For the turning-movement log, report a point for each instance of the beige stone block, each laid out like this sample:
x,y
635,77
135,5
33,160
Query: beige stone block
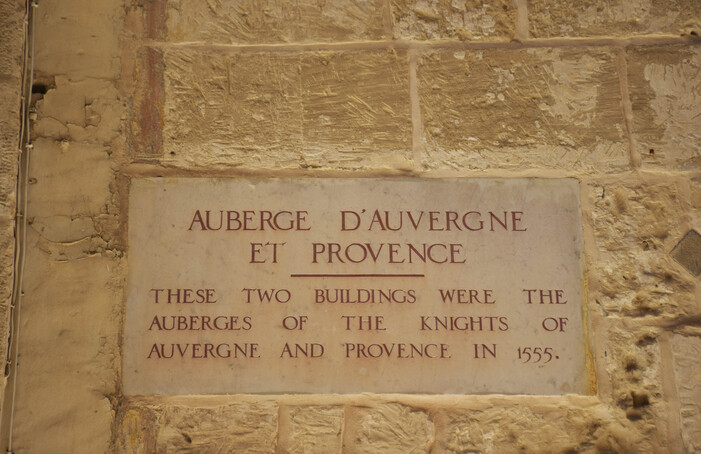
x,y
553,18
232,109
238,427
547,108
665,92
69,354
79,38
310,429
498,425
493,20
687,370
72,179
286,110
387,428
268,21
635,226
355,107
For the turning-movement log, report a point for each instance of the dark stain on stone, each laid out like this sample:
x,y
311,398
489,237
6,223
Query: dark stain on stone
x,y
688,252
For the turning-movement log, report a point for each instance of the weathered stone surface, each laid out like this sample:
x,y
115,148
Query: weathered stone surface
x,y
88,169
197,425
635,226
242,427
344,109
687,370
355,107
549,108
62,403
85,111
79,38
11,44
232,109
552,18
469,20
387,428
666,98
310,429
498,425
274,21
634,370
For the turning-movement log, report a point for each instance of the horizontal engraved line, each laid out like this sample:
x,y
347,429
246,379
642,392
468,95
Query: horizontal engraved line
x,y
355,275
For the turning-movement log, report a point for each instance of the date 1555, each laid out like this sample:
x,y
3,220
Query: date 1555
x,y
536,354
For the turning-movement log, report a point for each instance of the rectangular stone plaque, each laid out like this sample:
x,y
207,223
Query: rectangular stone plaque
x,y
355,285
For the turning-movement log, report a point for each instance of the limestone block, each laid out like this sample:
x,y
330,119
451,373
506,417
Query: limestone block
x,y
69,353
548,108
687,370
285,110
355,108
232,109
275,21
635,226
239,427
507,425
553,18
310,429
493,20
665,91
387,428
72,179
79,38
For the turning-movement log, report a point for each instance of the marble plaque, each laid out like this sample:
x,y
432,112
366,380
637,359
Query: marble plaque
x,y
451,286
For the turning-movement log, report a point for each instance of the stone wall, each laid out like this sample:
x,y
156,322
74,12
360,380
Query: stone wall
x,y
12,32
604,91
